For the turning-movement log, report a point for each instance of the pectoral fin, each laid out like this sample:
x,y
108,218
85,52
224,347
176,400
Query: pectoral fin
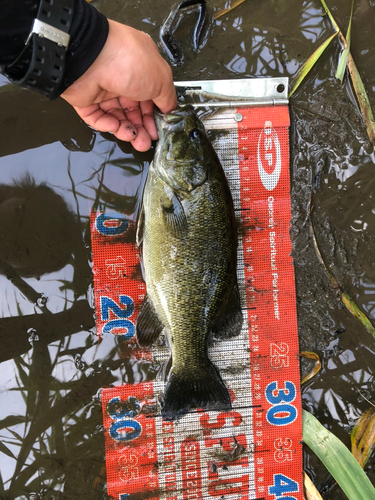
x,y
229,322
149,326
174,213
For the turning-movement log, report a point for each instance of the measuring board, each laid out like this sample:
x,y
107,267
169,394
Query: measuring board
x,y
253,451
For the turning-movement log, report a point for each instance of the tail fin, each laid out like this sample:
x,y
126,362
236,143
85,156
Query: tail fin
x,y
187,390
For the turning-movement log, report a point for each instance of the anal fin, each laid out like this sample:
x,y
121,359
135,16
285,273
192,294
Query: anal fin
x,y
149,326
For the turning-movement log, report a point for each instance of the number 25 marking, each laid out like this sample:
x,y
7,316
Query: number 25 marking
x,y
279,356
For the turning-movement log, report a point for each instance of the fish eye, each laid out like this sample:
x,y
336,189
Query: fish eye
x,y
195,134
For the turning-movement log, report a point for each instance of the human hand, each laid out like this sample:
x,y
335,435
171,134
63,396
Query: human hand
x,y
118,92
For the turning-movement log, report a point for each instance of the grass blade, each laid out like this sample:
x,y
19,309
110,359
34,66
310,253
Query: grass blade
x,y
349,304
357,313
363,437
309,64
362,98
359,88
345,53
315,369
337,459
328,12
225,11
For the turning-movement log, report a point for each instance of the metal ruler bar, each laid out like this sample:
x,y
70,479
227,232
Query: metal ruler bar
x,y
238,104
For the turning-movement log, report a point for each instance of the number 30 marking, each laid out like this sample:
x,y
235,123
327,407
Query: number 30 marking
x,y
281,413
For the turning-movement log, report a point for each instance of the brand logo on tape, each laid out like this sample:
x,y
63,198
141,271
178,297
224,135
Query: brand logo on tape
x,y
269,152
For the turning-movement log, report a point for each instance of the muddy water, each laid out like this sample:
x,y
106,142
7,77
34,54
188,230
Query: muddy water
x,y
54,170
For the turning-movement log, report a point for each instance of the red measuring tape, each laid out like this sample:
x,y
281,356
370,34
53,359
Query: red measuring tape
x,y
253,451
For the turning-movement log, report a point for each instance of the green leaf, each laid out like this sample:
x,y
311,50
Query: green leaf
x,y
357,313
345,53
358,86
362,98
342,64
337,459
310,63
328,12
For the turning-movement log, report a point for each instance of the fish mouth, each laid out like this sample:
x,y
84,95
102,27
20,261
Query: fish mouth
x,y
173,119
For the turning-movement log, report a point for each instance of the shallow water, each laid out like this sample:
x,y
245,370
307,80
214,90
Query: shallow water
x,y
54,360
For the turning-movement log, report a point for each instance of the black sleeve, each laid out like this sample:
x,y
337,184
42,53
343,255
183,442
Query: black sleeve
x,y
88,34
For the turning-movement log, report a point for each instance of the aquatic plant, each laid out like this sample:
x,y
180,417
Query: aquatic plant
x,y
346,60
337,459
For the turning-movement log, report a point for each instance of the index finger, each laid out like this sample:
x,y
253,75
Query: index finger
x,y
167,99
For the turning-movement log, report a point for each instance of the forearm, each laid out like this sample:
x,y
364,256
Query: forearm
x,y
113,75
88,34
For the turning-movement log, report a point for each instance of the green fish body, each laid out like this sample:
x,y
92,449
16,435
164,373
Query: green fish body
x,y
188,238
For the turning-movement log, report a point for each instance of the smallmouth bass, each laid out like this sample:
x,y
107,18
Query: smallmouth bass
x,y
188,239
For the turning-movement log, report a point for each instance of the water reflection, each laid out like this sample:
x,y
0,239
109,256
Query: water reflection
x,y
24,112
311,21
347,374
38,232
269,50
367,294
52,365
237,65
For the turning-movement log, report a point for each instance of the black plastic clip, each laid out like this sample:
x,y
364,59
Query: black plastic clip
x,y
167,40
